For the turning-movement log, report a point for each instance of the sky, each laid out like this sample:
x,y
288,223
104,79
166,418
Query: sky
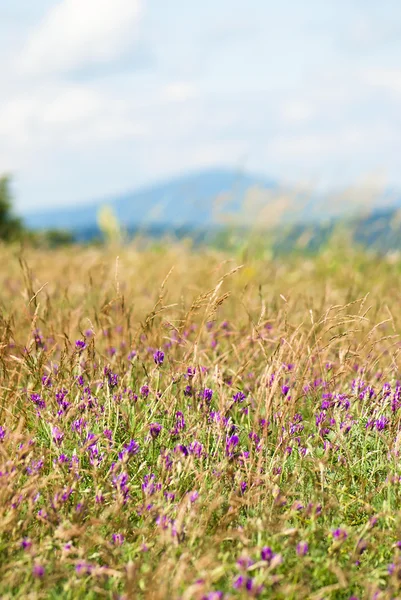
x,y
98,97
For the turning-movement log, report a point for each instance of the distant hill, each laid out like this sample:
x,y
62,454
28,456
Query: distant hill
x,y
193,201
199,203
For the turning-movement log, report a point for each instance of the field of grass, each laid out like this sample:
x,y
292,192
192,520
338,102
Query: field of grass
x,y
189,424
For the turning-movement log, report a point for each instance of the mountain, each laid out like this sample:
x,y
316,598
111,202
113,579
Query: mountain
x,y
197,200
199,203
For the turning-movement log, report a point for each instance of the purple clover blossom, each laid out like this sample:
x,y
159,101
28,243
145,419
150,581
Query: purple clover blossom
x,y
155,429
144,391
188,390
231,443
339,534
158,357
243,486
285,389
2,433
57,436
108,434
267,553
38,571
117,539
80,345
129,449
244,562
37,400
302,548
83,568
60,399
239,397
193,496
190,372
247,583
208,394
46,381
26,543
179,423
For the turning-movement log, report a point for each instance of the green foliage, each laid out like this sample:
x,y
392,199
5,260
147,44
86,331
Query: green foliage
x,y
11,227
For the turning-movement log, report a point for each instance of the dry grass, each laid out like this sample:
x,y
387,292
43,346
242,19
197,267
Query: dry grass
x,y
247,458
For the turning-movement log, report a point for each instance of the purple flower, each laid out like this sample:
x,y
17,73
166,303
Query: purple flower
x,y
158,357
129,449
83,568
248,584
155,429
194,496
266,553
2,433
117,539
302,548
339,534
26,543
231,443
179,423
57,435
144,391
46,381
80,345
37,400
239,397
207,394
38,571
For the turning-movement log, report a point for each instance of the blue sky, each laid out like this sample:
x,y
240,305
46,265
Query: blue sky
x,y
103,96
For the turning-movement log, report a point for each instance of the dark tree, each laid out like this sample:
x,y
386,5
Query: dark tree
x,y
11,227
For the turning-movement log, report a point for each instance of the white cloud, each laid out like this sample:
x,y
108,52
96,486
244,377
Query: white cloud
x,y
80,33
179,91
295,111
384,78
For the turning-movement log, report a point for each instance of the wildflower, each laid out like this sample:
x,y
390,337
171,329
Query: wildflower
x,y
83,568
37,400
46,381
179,423
302,548
248,584
155,429
207,394
231,443
129,449
117,539
26,543
266,553
239,397
194,496
57,436
144,391
38,571
80,345
158,357
339,534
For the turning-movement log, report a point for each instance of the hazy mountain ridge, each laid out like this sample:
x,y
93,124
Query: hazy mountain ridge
x,y
202,202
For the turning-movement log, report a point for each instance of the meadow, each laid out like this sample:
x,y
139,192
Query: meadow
x,y
187,423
